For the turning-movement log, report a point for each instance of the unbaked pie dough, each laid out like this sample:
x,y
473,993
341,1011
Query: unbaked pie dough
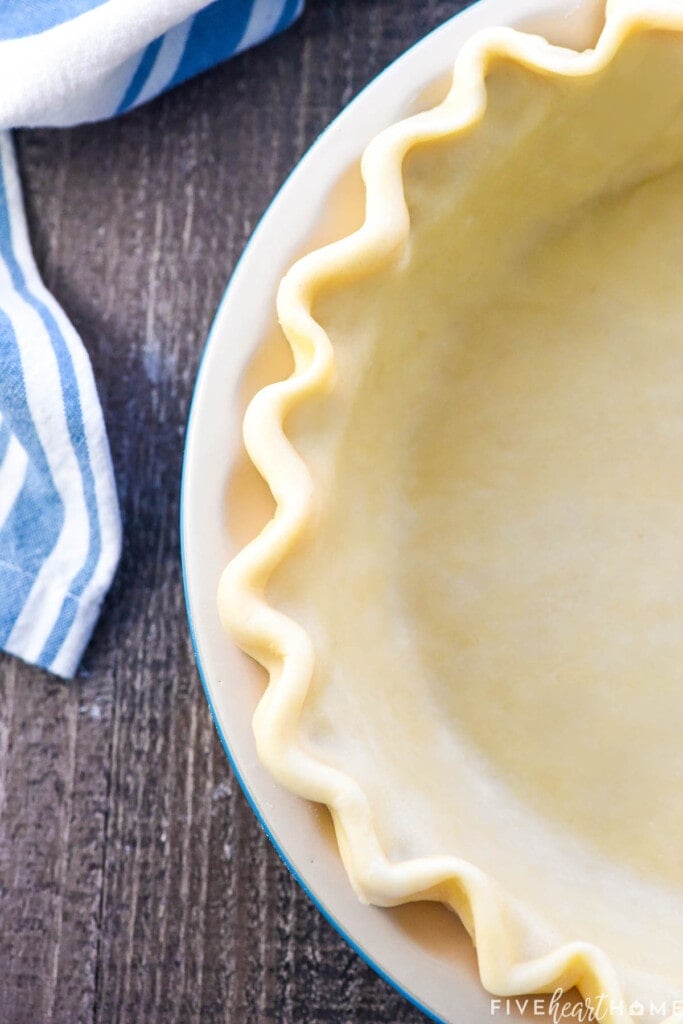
x,y
470,601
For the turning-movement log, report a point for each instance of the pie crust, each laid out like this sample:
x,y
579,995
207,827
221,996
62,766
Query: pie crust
x,y
470,598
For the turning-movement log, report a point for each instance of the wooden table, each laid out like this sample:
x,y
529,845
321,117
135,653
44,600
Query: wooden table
x,y
135,883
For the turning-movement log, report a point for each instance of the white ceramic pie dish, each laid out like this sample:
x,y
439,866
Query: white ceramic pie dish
x,y
441,980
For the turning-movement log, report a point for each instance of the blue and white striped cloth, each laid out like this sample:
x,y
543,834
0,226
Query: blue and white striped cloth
x,y
63,62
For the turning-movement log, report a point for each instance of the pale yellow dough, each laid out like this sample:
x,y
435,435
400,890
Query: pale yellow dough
x,y
491,575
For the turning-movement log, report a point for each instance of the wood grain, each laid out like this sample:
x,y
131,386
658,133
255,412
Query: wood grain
x,y
135,883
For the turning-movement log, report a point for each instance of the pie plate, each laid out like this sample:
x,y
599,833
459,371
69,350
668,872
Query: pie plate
x,y
468,600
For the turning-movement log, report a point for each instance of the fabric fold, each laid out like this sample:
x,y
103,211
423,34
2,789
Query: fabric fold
x,y
60,535
62,63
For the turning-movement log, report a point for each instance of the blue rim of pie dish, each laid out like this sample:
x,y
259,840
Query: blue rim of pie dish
x,y
210,342
339,928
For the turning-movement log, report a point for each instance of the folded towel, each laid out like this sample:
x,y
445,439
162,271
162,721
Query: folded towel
x,y
63,62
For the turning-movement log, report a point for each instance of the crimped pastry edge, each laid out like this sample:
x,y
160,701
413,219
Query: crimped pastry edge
x,y
280,644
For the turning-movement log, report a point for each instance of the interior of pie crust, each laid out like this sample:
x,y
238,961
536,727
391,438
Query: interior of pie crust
x,y
491,573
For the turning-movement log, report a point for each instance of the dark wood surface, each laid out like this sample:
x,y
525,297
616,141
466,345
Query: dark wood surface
x,y
135,884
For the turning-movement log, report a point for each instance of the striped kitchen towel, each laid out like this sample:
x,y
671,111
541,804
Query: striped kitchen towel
x,y
63,62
